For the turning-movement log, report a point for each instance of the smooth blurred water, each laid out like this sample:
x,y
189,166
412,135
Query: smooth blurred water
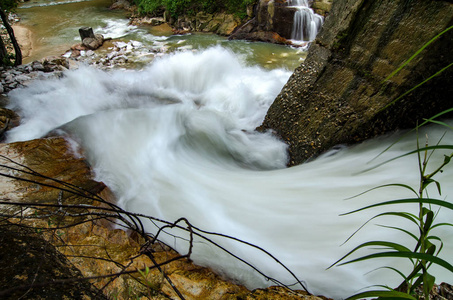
x,y
306,23
177,139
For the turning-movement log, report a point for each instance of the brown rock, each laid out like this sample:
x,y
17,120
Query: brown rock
x,y
8,119
51,161
31,268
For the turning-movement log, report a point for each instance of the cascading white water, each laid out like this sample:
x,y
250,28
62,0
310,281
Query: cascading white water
x,y
307,23
177,140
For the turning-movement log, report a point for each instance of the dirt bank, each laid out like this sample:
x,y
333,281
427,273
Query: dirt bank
x,y
24,37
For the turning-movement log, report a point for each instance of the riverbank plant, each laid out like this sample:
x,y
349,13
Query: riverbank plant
x,y
192,7
427,244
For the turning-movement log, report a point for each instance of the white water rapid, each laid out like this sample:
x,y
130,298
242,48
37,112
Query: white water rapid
x,y
307,23
177,140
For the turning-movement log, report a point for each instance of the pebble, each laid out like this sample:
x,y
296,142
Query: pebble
x,y
120,54
15,77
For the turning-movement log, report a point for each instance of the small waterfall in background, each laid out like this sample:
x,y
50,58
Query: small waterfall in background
x,y
306,22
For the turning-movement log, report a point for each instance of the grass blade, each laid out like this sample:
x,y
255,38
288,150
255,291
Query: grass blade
x,y
382,294
405,201
396,246
417,53
410,255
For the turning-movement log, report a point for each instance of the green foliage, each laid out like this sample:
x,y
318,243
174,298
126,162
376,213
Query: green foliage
x,y
149,6
191,7
8,5
8,60
428,246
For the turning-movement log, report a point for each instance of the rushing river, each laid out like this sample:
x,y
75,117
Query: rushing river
x,y
176,139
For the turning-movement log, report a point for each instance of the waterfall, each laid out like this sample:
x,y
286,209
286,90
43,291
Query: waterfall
x,y
306,23
177,140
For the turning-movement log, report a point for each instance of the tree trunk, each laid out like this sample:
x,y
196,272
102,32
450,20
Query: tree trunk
x,y
3,52
18,52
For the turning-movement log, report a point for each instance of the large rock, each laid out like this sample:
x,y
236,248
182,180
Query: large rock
x,y
338,95
272,19
28,170
89,39
31,268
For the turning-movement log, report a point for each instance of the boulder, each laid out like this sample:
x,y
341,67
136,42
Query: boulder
x,y
89,39
272,19
339,95
52,161
31,268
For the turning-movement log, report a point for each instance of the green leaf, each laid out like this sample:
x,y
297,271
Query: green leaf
x,y
417,86
429,219
406,201
382,294
396,271
426,183
386,185
447,158
417,53
411,255
437,147
430,120
428,283
433,237
438,187
441,224
402,230
439,123
397,247
405,215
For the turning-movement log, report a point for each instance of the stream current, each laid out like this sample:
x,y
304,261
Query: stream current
x,y
176,139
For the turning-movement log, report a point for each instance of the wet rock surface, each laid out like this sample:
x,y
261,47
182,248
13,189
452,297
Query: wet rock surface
x,y
338,95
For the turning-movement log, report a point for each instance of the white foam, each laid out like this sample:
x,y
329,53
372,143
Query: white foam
x,y
176,140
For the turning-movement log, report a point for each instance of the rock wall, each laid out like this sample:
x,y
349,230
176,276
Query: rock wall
x,y
338,95
219,23
273,22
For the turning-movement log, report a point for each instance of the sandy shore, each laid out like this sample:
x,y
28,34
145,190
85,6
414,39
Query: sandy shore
x,y
24,37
